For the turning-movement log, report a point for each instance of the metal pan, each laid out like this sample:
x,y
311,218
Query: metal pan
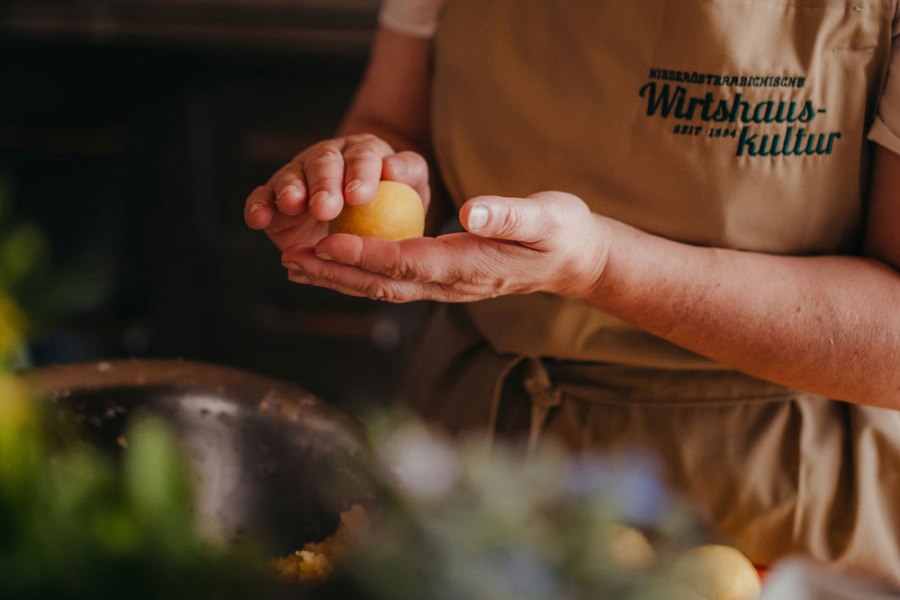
x,y
272,463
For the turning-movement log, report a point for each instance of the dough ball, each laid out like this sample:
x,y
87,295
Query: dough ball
x,y
395,213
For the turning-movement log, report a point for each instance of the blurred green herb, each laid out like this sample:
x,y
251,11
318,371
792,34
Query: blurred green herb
x,y
468,521
21,247
44,289
73,522
76,524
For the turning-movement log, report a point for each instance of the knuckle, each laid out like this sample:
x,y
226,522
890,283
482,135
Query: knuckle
x,y
551,221
454,278
501,286
358,154
510,221
329,143
417,168
380,290
260,195
323,274
313,150
416,162
368,142
361,138
288,178
403,269
324,157
277,175
458,274
475,279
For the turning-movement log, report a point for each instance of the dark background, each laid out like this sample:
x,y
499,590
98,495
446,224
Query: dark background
x,y
131,132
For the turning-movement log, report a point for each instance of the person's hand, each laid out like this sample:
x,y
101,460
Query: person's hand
x,y
294,207
547,242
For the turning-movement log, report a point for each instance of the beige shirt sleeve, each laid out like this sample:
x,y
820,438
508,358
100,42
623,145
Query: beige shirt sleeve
x,y
417,18
886,129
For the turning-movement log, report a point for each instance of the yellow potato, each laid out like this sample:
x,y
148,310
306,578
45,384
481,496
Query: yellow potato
x,y
396,213
718,572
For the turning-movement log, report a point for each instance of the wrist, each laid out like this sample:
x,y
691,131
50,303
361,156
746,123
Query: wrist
x,y
592,259
397,139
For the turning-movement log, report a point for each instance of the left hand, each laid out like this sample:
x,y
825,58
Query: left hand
x,y
547,242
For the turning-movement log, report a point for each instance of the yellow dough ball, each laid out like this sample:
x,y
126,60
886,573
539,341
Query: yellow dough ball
x,y
718,572
395,213
630,549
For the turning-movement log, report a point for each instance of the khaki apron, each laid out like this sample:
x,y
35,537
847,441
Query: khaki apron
x,y
773,471
729,123
732,123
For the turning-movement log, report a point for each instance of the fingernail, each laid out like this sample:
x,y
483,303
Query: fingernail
x,y
324,256
255,207
291,266
320,197
298,278
353,185
478,217
287,190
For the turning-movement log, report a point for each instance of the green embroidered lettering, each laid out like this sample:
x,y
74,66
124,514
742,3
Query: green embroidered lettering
x,y
808,113
739,105
799,143
781,117
763,112
811,144
692,108
722,112
664,101
747,142
786,145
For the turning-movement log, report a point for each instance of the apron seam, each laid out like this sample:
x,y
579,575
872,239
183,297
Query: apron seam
x,y
650,401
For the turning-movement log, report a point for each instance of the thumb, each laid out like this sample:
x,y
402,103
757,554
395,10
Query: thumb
x,y
531,221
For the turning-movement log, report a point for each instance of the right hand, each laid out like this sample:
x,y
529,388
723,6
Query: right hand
x,y
294,207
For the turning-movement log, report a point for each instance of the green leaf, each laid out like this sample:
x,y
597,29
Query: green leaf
x,y
157,479
21,250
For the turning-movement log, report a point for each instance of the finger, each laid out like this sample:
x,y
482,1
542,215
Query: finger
x,y
304,266
396,292
290,191
292,254
323,170
363,159
410,168
259,209
531,221
304,279
367,286
422,260
307,267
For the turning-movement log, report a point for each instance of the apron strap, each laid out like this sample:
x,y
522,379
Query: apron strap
x,y
544,397
497,397
541,393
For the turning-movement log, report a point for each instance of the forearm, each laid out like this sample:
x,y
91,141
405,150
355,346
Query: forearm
x,y
393,99
829,324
